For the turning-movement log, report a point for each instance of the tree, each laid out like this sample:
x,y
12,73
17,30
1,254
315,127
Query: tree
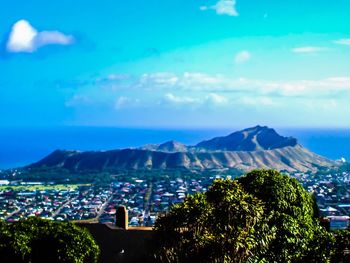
x,y
225,224
39,240
293,212
341,244
263,216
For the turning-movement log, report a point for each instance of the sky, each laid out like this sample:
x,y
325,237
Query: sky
x,y
175,63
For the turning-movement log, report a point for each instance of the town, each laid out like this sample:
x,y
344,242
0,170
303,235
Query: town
x,y
146,199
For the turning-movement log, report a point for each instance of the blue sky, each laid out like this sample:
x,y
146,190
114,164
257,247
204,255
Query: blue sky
x,y
175,63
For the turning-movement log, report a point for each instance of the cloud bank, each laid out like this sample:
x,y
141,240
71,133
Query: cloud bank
x,y
344,41
25,38
201,82
195,90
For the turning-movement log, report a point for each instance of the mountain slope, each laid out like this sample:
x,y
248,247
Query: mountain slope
x,y
253,148
170,146
251,139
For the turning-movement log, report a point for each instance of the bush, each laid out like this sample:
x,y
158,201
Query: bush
x,y
39,240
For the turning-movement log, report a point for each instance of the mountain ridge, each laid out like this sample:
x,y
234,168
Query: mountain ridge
x,y
250,139
253,148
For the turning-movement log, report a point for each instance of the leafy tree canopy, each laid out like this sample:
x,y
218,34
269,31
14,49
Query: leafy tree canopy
x,y
262,217
220,225
293,212
38,240
342,246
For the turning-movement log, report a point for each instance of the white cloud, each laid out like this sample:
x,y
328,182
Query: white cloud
x,y
25,38
123,102
21,37
309,49
199,100
78,100
344,41
111,77
160,78
201,82
223,7
217,99
330,87
194,90
242,57
171,98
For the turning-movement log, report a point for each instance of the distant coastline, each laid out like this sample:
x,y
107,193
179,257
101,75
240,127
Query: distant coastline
x,y
21,146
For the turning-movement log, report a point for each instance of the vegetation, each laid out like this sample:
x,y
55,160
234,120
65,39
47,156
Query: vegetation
x,y
63,176
220,224
37,240
293,213
261,217
342,244
58,187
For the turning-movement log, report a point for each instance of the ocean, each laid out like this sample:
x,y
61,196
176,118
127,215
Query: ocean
x,y
22,146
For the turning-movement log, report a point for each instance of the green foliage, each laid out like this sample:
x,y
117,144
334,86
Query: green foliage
x,y
262,217
293,212
218,226
63,176
341,244
37,240
279,192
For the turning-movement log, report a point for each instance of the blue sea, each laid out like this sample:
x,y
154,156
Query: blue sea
x,y
22,146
